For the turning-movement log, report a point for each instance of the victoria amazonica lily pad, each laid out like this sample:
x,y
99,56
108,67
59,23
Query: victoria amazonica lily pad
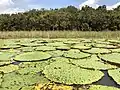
x,y
93,62
115,74
100,87
113,58
11,46
63,48
31,67
65,73
27,49
97,51
76,55
56,53
6,56
45,48
31,44
13,79
106,46
32,56
8,68
81,47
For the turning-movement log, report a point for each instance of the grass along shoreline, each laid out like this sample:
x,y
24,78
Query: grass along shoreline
x,y
59,34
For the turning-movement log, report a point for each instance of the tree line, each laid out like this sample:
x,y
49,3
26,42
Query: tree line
x,y
69,18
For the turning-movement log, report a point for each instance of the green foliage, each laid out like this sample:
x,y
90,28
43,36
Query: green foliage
x,y
6,56
100,87
115,74
69,18
8,68
65,73
97,51
75,55
31,67
13,79
80,47
45,48
93,63
113,58
32,56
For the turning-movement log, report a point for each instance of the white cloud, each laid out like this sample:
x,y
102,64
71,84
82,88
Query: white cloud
x,y
93,3
14,6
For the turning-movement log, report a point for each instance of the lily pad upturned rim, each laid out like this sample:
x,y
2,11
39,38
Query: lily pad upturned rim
x,y
106,57
27,56
65,73
93,63
115,74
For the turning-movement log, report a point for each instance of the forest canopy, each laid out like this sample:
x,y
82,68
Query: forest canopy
x,y
68,18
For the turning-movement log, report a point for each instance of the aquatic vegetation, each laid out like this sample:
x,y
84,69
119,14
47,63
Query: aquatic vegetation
x,y
76,55
100,87
65,73
32,56
115,74
93,62
113,58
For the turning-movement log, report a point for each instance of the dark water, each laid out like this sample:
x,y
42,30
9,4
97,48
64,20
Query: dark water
x,y
16,63
107,81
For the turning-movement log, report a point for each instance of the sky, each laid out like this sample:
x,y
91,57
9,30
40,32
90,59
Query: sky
x,y
14,6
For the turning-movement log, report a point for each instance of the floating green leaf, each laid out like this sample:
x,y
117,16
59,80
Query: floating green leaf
x,y
63,72
27,88
75,55
100,87
113,58
13,79
45,48
32,56
63,48
8,68
115,74
93,63
6,56
27,49
80,47
97,51
31,67
56,53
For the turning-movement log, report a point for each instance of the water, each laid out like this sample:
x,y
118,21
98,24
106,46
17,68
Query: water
x,y
107,81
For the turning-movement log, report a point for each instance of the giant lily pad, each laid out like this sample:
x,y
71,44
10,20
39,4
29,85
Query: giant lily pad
x,y
31,44
8,68
113,58
13,79
45,48
55,44
63,48
27,49
63,72
93,63
32,56
81,47
11,46
56,53
6,56
115,74
97,50
100,87
106,46
75,55
31,67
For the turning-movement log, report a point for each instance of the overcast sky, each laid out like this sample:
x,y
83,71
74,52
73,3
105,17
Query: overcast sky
x,y
12,6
